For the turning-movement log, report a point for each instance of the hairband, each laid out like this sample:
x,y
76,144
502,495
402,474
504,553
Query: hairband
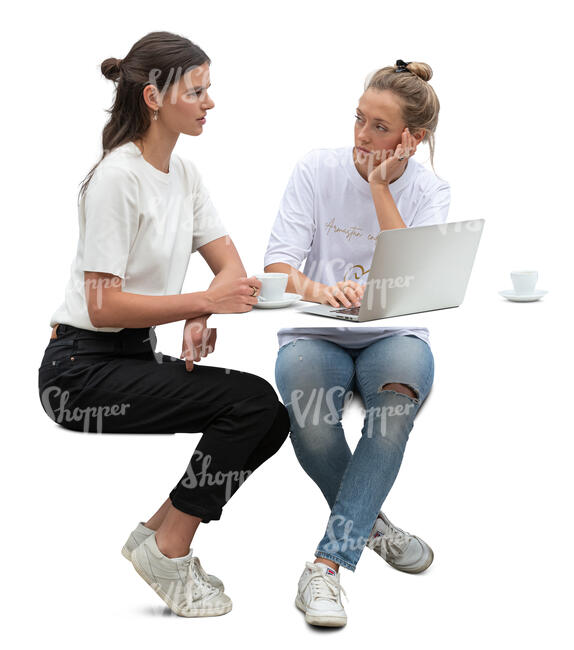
x,y
402,66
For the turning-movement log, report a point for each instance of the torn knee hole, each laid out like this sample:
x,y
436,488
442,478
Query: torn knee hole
x,y
400,388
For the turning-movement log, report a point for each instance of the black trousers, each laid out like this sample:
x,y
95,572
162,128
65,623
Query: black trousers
x,y
115,382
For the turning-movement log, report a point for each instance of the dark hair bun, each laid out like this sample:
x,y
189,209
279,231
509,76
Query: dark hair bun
x,y
111,68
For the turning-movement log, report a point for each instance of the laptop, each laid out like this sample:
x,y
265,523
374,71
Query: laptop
x,y
414,270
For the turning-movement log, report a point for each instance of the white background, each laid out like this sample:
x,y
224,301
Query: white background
x,y
485,475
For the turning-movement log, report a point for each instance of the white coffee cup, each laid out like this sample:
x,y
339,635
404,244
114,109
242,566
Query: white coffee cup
x,y
272,285
524,281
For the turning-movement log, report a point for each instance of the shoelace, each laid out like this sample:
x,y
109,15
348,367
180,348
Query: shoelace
x,y
391,546
200,570
323,586
195,579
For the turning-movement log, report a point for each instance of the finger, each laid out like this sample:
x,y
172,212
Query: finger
x,y
358,289
249,290
190,355
410,143
253,281
339,295
352,295
405,143
188,365
205,349
331,300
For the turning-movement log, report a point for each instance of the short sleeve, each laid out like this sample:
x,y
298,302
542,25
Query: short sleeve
x,y
433,208
294,227
111,220
207,225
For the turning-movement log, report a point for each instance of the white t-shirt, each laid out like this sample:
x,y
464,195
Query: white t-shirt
x,y
140,224
327,218
348,337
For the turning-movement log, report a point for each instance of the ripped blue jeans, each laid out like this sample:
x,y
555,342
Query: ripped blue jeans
x,y
316,378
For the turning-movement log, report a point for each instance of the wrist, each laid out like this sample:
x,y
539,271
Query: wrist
x,y
201,318
204,305
379,185
316,291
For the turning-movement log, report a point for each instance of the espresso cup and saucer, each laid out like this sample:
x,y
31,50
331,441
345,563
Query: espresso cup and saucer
x,y
524,283
272,294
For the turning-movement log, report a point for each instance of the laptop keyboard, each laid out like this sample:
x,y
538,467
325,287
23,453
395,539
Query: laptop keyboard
x,y
351,311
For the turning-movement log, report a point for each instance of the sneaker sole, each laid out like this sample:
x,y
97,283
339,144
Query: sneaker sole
x,y
219,611
323,621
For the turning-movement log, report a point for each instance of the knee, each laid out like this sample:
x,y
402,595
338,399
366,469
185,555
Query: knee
x,y
317,440
260,389
390,417
282,421
279,428
400,388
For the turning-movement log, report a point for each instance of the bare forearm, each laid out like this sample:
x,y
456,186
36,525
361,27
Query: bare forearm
x,y
228,273
298,282
387,213
124,309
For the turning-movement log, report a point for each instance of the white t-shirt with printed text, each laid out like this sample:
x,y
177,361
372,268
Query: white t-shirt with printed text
x,y
328,221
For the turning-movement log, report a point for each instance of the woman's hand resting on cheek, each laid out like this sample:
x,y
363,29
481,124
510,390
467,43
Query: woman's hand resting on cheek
x,y
395,161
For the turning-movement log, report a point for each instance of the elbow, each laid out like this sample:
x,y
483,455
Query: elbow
x,y
97,318
275,267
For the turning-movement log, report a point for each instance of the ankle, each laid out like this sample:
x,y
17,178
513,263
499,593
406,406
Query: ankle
x,y
171,548
329,563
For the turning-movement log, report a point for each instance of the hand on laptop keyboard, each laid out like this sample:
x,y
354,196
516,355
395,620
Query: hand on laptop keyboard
x,y
345,294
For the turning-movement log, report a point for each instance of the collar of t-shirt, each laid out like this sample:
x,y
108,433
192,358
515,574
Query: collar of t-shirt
x,y
154,172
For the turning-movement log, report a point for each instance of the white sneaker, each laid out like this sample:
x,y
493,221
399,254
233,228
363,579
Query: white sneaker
x,y
141,532
178,582
400,549
319,596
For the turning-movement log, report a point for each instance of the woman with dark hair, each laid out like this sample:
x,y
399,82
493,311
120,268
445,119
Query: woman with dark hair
x,y
335,204
142,211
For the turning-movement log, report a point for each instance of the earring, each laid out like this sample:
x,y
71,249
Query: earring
x,y
155,114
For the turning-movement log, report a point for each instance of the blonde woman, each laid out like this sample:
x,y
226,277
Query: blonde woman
x,y
334,206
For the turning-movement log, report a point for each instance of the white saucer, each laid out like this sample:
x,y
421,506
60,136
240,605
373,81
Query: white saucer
x,y
288,299
510,294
